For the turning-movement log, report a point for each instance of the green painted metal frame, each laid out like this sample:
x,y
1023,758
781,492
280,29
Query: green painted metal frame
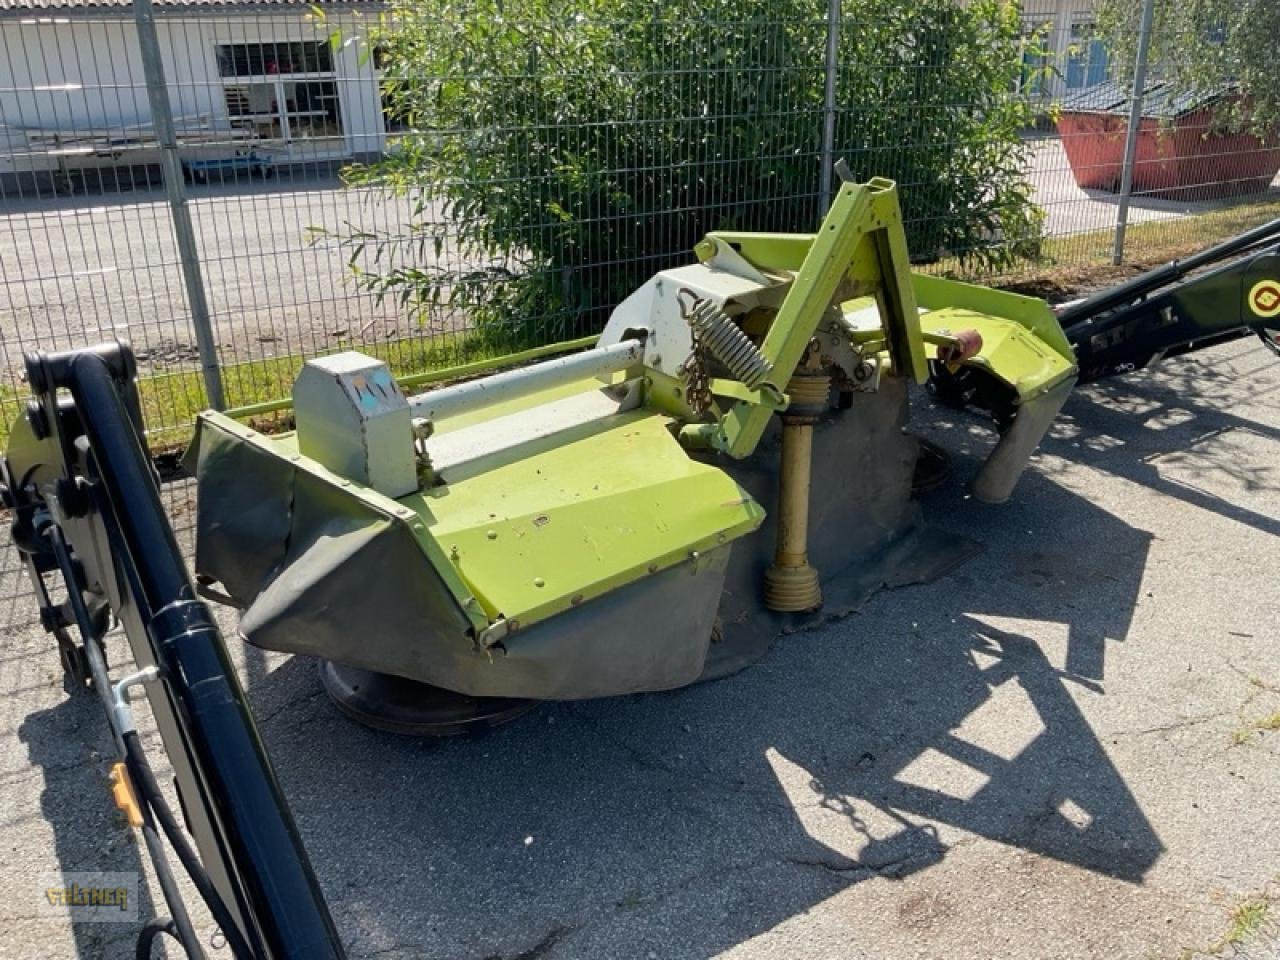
x,y
859,250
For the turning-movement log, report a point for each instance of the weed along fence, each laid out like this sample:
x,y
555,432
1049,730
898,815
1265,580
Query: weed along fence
x,y
235,187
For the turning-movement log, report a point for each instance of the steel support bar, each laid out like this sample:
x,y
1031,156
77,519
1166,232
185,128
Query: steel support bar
x,y
433,376
1149,283
489,391
829,102
835,261
1131,135
180,213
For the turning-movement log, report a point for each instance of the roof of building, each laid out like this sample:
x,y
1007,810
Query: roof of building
x,y
1161,101
46,8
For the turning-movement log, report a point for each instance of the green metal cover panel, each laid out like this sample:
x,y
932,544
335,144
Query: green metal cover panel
x,y
934,293
609,502
565,519
1010,351
1022,343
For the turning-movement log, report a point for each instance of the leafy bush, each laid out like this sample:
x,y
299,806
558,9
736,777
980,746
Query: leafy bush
x,y
1199,46
562,151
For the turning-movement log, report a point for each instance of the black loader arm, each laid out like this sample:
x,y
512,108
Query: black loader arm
x,y
1167,311
86,507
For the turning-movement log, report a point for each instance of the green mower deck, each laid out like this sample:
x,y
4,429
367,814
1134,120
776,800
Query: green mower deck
x,y
592,525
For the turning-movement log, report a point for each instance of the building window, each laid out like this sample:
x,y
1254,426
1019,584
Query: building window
x,y
270,59
1088,61
1036,58
394,120
284,93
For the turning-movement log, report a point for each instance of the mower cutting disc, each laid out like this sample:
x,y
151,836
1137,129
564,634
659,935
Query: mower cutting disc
x,y
397,705
933,468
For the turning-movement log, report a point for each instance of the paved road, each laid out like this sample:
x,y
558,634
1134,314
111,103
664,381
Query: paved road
x,y
1034,757
74,269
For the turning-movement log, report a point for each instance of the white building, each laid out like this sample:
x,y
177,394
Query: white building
x,y
263,80
266,80
1078,60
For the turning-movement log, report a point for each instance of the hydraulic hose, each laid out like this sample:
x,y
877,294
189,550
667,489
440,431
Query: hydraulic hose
x,y
235,792
152,929
145,782
154,807
267,893
179,925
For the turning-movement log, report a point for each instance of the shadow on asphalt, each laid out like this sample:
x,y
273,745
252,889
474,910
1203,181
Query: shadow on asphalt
x,y
669,816
597,810
1186,409
75,801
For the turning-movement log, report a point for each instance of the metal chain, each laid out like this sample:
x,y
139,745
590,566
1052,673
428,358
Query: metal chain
x,y
698,382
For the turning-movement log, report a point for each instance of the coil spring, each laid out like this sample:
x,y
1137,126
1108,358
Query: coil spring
x,y
725,341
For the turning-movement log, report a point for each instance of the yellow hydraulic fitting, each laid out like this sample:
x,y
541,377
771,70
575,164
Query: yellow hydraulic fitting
x,y
122,793
791,584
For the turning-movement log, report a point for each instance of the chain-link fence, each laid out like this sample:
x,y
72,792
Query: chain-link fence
x,y
436,186
1197,168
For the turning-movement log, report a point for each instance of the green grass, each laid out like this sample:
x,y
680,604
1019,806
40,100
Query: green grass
x,y
1156,239
1079,260
1251,728
1248,918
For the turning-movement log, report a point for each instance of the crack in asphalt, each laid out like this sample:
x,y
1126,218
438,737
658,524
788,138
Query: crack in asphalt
x,y
856,870
1179,724
544,946
699,777
408,949
297,701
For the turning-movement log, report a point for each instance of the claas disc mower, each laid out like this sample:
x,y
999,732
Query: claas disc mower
x,y
729,456
727,461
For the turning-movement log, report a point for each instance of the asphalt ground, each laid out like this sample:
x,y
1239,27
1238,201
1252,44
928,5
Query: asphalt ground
x,y
1059,750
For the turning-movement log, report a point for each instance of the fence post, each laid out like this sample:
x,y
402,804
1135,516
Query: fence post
x,y
180,213
829,102
1131,135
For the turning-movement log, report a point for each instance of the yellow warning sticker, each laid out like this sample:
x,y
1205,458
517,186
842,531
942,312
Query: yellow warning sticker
x,y
1264,298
